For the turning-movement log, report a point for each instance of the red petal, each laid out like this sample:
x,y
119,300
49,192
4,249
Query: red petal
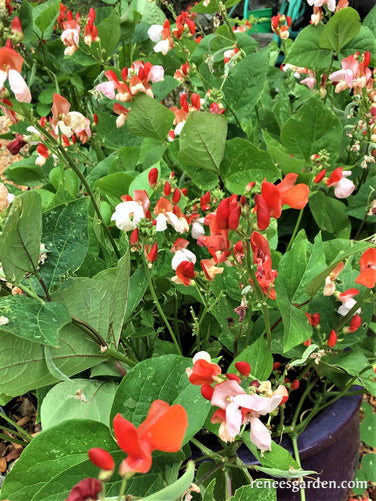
x,y
165,426
367,278
296,197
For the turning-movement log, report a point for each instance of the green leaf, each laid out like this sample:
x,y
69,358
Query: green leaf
x,y
291,270
306,51
62,452
202,142
149,118
359,203
138,284
368,430
277,457
78,399
32,320
177,489
312,129
259,358
353,362
369,467
116,184
329,213
100,301
111,136
276,472
45,16
245,83
20,242
162,88
160,378
281,157
65,235
315,284
243,162
23,366
340,29
250,492
363,41
25,172
26,14
109,33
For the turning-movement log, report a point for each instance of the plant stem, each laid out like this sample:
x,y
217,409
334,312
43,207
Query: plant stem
x,y
297,224
122,488
21,430
98,339
14,440
301,402
294,440
159,308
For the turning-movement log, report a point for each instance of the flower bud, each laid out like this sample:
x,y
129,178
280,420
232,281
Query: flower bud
x,y
101,458
153,177
244,368
332,340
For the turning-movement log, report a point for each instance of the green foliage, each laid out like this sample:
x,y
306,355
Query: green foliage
x,y
340,29
21,238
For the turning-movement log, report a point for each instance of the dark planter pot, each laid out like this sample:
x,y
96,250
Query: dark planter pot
x,y
329,445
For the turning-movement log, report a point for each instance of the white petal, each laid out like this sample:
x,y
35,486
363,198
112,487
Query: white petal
x,y
3,77
155,32
233,419
260,435
19,87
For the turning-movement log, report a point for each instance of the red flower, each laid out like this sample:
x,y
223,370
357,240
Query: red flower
x,y
261,257
367,263
273,197
162,430
87,489
184,273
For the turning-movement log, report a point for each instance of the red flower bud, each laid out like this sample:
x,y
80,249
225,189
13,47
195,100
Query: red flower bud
x,y
233,377
101,458
153,177
320,176
295,384
244,368
167,189
355,323
184,191
134,237
207,391
276,366
151,255
95,118
176,196
332,340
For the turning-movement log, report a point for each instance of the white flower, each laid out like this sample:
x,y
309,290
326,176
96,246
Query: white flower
x,y
127,215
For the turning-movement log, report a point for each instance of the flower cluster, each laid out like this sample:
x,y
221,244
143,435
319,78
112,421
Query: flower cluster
x,y
240,399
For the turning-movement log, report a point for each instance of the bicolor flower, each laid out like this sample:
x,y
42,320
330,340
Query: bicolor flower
x,y
127,215
354,74
10,68
163,430
348,301
6,198
330,287
203,371
70,36
241,408
343,187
